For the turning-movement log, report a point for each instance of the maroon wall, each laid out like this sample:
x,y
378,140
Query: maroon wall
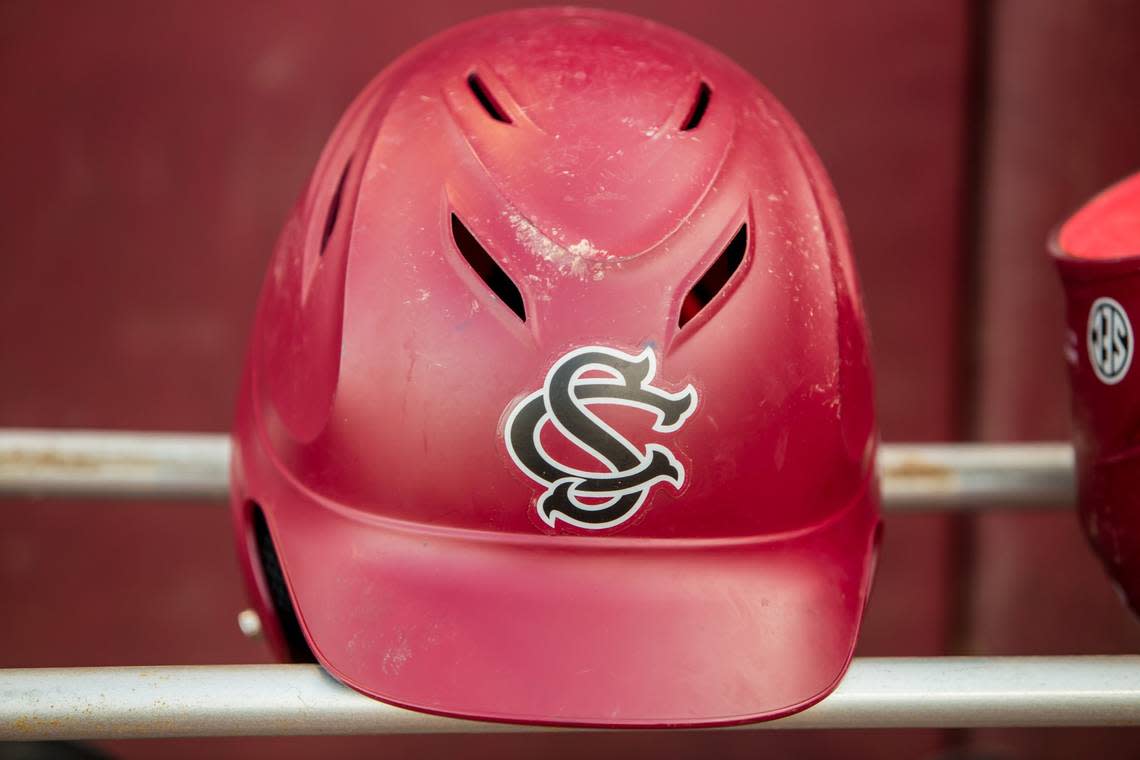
x,y
152,149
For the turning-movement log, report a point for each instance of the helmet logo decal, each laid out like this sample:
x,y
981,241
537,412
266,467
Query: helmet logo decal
x,y
1109,340
615,494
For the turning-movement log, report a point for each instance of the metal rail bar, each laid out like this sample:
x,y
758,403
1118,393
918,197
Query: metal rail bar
x,y
254,700
79,464
195,466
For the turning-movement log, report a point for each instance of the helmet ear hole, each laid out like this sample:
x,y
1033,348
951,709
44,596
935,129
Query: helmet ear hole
x,y
271,573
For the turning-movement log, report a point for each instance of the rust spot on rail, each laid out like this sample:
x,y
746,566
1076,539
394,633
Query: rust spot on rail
x,y
56,461
916,468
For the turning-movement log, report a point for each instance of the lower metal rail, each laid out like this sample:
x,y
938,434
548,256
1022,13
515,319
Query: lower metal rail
x,y
255,700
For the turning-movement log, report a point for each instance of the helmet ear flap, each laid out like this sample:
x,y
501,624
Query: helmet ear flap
x,y
295,646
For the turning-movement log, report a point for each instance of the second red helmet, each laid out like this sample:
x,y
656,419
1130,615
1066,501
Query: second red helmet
x,y
1097,252
558,406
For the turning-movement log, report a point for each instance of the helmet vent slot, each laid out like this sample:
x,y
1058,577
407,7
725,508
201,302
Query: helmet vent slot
x,y
334,208
715,277
487,268
486,99
700,105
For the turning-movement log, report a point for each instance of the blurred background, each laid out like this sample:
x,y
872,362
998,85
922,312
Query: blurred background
x,y
150,152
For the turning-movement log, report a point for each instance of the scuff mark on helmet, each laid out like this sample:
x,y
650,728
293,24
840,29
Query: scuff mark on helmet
x,y
579,259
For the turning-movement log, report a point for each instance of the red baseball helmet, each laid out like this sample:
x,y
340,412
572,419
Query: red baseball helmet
x,y
1098,254
558,406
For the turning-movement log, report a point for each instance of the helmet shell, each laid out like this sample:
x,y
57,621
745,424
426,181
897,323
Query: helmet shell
x,y
390,366
1097,252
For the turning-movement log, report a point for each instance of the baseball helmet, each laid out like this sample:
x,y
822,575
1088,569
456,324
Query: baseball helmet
x,y
1097,252
558,407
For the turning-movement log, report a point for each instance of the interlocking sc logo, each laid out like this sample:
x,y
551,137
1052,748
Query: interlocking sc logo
x,y
564,401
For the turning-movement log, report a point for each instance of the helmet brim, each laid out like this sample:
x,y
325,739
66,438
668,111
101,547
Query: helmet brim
x,y
579,631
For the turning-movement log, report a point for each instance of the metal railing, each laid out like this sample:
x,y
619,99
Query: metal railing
x,y
966,692
249,700
103,465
